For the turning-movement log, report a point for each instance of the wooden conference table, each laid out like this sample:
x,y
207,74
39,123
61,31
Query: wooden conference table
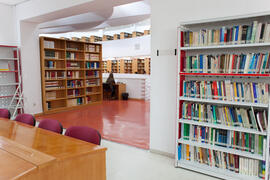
x,y
28,152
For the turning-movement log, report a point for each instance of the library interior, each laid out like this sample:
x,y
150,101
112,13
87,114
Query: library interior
x,y
134,89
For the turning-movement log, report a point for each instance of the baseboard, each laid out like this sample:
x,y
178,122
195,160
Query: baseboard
x,y
170,155
137,99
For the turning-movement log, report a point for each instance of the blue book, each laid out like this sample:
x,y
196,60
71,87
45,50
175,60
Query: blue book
x,y
251,64
201,63
236,32
242,67
221,35
203,134
179,151
237,92
255,92
240,118
231,115
256,62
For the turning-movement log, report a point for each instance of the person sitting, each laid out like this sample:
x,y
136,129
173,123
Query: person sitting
x,y
111,82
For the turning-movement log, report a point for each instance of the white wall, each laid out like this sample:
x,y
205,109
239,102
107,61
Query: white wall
x,y
8,34
139,46
137,85
165,18
31,67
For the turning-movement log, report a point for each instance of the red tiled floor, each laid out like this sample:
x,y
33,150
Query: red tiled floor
x,y
125,122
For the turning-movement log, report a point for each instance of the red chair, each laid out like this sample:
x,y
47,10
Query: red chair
x,y
26,118
51,125
4,113
84,133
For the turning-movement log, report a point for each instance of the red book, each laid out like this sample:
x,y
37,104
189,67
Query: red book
x,y
189,111
215,90
236,163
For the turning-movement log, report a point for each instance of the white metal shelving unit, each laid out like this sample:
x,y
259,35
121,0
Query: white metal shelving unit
x,y
224,48
11,95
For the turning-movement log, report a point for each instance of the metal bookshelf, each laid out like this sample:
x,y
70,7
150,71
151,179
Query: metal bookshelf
x,y
181,76
11,94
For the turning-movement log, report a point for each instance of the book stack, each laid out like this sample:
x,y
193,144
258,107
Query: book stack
x,y
227,90
48,44
242,141
250,63
74,83
70,55
53,85
223,160
90,48
73,74
51,54
256,32
55,75
226,115
91,82
73,65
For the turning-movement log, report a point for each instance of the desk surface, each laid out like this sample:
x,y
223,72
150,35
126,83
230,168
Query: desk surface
x,y
56,153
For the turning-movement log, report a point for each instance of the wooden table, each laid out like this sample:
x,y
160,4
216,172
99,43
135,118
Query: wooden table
x,y
28,152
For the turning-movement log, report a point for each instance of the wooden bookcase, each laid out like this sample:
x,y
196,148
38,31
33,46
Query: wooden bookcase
x,y
128,66
71,73
223,129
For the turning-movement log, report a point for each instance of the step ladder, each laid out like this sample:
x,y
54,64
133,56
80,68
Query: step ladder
x,y
16,103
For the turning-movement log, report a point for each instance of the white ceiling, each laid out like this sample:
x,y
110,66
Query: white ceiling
x,y
124,13
12,2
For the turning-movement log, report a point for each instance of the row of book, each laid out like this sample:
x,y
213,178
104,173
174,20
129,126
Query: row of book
x,y
73,74
74,83
91,57
257,32
227,90
242,141
250,63
73,92
73,65
48,44
71,55
92,74
91,82
91,48
222,160
51,55
229,116
75,101
92,65
50,64
6,66
53,85
55,74
51,95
